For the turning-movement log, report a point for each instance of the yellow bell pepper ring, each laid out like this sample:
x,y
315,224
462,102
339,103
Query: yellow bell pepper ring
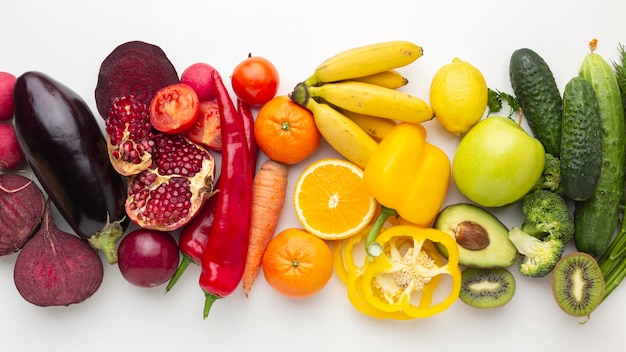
x,y
408,174
403,281
409,268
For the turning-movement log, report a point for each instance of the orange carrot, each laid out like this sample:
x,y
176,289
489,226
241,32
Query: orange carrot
x,y
269,189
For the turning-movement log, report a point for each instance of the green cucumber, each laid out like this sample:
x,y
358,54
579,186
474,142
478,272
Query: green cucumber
x,y
597,218
538,95
581,140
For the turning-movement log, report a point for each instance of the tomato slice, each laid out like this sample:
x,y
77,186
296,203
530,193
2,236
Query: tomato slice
x,y
174,108
207,129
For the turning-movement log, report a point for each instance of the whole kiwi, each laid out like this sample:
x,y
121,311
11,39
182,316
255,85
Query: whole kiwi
x,y
578,284
486,287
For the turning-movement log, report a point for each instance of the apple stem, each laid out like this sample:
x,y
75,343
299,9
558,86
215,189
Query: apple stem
x,y
519,120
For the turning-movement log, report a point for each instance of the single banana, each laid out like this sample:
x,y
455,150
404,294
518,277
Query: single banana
x,y
391,79
343,134
376,127
364,61
370,99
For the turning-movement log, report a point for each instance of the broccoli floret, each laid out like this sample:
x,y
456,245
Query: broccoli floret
x,y
538,256
546,214
551,176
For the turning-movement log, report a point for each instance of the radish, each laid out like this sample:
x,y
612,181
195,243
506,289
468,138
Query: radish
x,y
199,76
7,81
21,210
55,268
11,155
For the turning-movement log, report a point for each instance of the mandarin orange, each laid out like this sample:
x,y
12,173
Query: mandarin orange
x,y
297,264
285,131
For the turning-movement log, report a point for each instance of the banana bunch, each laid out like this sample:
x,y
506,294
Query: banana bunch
x,y
355,100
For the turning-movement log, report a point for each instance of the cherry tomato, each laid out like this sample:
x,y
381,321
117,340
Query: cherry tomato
x,y
255,80
147,258
174,108
207,129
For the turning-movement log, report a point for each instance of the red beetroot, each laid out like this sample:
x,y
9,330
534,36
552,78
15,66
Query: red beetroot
x,y
21,209
55,268
11,155
199,76
7,81
133,68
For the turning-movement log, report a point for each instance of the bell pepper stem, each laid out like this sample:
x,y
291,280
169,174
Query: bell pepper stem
x,y
373,248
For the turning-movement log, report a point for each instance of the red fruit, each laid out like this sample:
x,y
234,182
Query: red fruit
x,y
171,191
129,136
174,108
11,155
207,129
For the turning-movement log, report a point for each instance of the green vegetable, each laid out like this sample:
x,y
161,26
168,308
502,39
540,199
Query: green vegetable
x,y
546,229
597,218
538,96
494,102
546,215
538,256
620,73
581,140
550,179
613,262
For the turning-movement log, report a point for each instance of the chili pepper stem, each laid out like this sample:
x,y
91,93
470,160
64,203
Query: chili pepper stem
x,y
184,263
373,248
209,298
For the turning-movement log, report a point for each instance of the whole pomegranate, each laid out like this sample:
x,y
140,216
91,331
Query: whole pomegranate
x,y
169,193
129,136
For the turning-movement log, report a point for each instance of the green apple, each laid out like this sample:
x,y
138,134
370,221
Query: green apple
x,y
497,162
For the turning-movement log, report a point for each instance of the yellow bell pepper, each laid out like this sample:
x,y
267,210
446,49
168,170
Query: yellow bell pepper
x,y
408,174
410,266
409,178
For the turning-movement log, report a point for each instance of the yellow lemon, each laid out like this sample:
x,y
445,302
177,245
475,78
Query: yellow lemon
x,y
458,96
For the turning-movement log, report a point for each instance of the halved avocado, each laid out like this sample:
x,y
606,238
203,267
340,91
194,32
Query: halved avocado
x,y
482,239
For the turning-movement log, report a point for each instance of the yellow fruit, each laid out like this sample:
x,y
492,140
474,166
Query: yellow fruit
x,y
458,96
330,199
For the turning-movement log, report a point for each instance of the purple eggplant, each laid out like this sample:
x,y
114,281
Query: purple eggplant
x,y
66,149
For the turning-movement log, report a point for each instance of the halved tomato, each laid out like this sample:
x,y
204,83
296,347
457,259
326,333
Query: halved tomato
x,y
207,128
174,108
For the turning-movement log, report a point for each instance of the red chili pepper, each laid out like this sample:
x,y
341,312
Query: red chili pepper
x,y
248,123
194,235
224,256
193,238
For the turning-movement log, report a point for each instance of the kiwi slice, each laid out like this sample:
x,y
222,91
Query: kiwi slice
x,y
578,284
486,287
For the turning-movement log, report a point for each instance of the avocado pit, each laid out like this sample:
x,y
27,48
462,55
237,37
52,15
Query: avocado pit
x,y
471,235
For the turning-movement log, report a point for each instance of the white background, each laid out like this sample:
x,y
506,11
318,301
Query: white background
x,y
69,39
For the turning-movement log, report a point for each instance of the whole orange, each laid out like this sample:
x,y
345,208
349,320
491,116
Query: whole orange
x,y
286,131
297,264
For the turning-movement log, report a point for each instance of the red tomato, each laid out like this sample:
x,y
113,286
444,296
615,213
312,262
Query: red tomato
x,y
174,108
255,80
207,129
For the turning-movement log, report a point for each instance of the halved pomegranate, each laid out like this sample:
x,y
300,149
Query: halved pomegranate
x,y
129,135
169,193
